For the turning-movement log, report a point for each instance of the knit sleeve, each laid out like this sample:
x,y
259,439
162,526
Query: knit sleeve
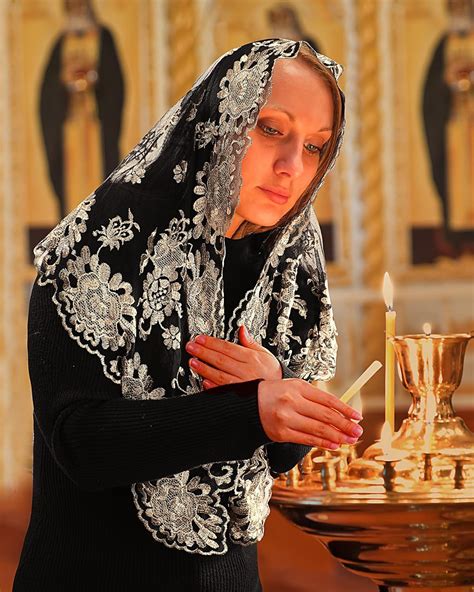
x,y
102,440
282,456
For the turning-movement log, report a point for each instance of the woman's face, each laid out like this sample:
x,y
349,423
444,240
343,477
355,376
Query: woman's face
x,y
284,155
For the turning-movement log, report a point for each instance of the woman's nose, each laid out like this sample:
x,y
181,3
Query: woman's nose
x,y
289,160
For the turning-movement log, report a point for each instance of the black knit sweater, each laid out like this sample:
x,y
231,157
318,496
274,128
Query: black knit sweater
x,y
90,444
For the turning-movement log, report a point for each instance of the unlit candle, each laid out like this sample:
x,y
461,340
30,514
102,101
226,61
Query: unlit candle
x,y
359,383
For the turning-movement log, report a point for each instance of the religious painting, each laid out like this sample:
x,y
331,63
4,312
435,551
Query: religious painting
x,y
322,25
430,56
83,66
448,124
81,105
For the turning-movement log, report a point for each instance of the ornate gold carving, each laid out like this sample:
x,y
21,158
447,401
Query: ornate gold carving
x,y
15,406
371,173
371,148
182,47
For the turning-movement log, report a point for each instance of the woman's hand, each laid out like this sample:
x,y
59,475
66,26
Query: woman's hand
x,y
292,410
221,362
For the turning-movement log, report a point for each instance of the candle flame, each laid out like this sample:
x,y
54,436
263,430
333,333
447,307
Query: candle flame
x,y
427,328
388,291
386,438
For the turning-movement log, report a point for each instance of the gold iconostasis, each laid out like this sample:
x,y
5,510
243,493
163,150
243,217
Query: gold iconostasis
x,y
399,199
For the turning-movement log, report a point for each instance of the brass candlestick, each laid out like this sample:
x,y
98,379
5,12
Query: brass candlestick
x,y
403,513
388,474
326,466
427,466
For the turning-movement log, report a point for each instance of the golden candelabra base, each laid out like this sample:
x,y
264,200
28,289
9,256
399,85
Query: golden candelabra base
x,y
402,516
410,545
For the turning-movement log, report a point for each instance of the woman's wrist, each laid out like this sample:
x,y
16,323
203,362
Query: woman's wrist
x,y
286,372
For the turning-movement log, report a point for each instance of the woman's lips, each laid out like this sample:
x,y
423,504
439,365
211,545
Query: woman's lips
x,y
277,195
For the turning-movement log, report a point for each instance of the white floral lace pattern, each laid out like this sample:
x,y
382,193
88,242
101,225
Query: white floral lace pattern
x,y
117,232
205,133
99,306
213,188
179,171
204,281
59,243
161,289
133,167
161,298
249,507
287,298
241,91
172,337
183,513
254,313
136,382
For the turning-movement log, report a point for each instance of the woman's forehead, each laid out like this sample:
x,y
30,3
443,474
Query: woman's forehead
x,y
290,71
300,92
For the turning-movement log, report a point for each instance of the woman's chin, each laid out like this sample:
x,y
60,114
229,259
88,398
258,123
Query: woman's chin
x,y
265,218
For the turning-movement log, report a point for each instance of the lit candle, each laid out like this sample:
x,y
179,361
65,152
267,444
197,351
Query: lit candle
x,y
390,317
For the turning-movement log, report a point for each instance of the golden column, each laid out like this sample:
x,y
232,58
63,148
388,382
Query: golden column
x,y
371,172
15,397
182,44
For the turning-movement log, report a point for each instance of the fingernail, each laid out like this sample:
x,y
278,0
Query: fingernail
x,y
356,415
191,347
333,446
200,339
351,440
193,362
357,430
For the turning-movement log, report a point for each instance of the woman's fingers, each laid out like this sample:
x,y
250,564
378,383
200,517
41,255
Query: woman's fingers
x,y
216,359
221,346
311,440
327,399
326,415
218,377
319,429
242,362
292,405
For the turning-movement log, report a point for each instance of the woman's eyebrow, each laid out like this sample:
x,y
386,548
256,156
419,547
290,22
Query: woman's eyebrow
x,y
292,117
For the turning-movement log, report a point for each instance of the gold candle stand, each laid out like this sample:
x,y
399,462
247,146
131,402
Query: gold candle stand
x,y
404,518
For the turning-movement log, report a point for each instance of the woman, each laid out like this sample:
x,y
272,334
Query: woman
x,y
203,232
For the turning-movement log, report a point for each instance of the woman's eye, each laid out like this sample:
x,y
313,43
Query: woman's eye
x,y
268,129
313,149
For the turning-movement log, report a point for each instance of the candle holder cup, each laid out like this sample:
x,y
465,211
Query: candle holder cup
x,y
432,366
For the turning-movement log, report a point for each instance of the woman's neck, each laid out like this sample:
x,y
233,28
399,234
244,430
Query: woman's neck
x,y
234,226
